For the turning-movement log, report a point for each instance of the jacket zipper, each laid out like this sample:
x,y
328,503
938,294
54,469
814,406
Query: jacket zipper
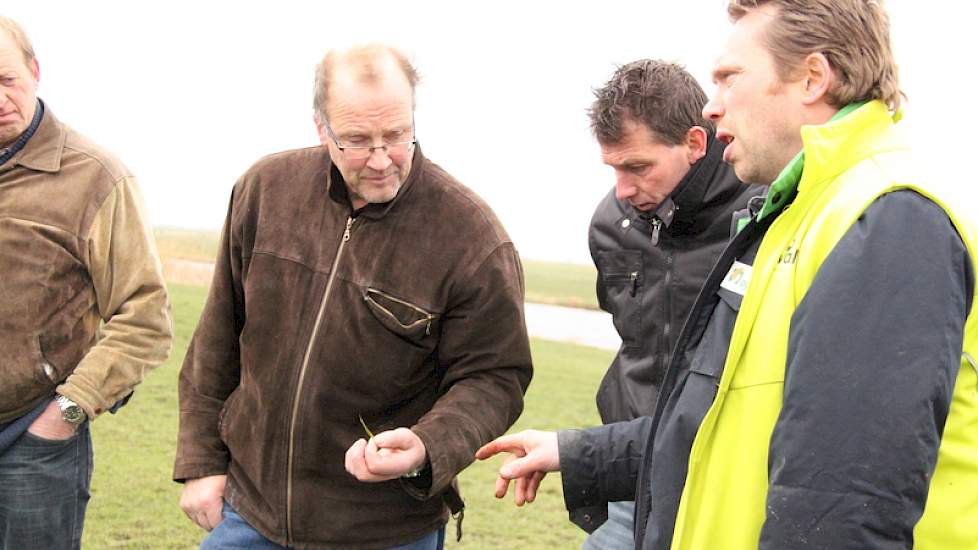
x,y
667,310
656,226
302,375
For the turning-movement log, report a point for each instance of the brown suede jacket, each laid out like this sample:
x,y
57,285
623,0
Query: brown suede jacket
x,y
409,314
75,253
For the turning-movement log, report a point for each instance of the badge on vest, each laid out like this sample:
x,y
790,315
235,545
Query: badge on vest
x,y
737,278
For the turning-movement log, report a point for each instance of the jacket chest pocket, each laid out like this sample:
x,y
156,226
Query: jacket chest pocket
x,y
621,282
405,319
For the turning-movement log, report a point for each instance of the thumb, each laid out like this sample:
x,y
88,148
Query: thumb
x,y
401,438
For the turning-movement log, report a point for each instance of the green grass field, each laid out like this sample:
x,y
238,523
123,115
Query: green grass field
x,y
134,503
560,284
188,244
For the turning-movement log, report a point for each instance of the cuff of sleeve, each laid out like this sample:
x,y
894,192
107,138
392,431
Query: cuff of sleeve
x,y
183,472
89,401
438,465
419,486
576,475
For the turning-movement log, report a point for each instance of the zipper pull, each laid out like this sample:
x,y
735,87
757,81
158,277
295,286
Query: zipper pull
x,y
656,226
633,278
427,327
349,224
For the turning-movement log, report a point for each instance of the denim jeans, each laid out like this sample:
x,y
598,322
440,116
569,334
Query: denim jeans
x,y
44,488
234,533
617,533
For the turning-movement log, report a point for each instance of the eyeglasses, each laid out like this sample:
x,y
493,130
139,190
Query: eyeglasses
x,y
394,149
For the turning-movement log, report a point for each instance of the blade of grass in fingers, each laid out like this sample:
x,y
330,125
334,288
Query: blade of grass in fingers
x,y
370,434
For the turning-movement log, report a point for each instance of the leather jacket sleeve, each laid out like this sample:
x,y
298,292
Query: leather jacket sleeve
x,y
132,302
485,353
211,368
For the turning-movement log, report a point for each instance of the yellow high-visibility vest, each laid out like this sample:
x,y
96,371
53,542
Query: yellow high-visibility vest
x,y
849,163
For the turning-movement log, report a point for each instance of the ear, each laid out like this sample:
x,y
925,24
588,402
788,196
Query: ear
x,y
817,78
695,144
321,131
35,70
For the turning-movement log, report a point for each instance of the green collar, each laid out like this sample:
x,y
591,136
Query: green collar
x,y
783,189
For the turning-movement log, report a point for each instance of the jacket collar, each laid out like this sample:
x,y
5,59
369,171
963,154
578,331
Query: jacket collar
x,y
43,150
691,194
858,131
338,192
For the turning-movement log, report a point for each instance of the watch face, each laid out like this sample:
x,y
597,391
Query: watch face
x,y
73,414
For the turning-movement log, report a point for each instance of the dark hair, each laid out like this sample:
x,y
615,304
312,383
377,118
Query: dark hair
x,y
660,95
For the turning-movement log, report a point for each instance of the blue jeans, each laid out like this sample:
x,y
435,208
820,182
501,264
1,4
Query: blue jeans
x,y
617,533
234,533
44,488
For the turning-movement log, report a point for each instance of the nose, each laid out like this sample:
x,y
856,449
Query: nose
x,y
713,110
378,160
624,190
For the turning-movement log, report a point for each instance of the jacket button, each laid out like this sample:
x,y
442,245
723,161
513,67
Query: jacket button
x,y
625,223
587,518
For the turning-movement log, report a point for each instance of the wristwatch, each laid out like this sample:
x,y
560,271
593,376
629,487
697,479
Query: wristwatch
x,y
70,411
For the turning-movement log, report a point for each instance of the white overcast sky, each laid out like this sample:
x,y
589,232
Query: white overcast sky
x,y
189,94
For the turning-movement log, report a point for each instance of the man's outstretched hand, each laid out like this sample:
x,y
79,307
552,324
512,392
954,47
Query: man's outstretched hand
x,y
532,454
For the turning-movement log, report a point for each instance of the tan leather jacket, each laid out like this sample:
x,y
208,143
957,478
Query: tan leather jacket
x,y
83,306
409,315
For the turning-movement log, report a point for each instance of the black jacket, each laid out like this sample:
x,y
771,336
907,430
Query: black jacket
x,y
651,266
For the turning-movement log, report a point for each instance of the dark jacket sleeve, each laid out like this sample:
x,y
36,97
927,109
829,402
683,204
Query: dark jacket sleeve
x,y
873,353
211,368
600,465
484,352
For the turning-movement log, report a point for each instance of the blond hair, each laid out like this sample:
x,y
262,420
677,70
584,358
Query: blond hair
x,y
854,35
366,61
19,37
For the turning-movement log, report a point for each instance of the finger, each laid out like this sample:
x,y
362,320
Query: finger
x,y
353,460
201,520
519,494
401,438
506,443
533,485
502,486
213,515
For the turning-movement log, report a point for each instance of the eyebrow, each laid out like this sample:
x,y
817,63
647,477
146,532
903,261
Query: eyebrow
x,y
723,71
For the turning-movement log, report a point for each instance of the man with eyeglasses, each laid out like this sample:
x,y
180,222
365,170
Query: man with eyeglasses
x,y
359,290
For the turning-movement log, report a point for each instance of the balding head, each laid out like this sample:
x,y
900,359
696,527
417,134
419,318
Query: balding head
x,y
366,65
